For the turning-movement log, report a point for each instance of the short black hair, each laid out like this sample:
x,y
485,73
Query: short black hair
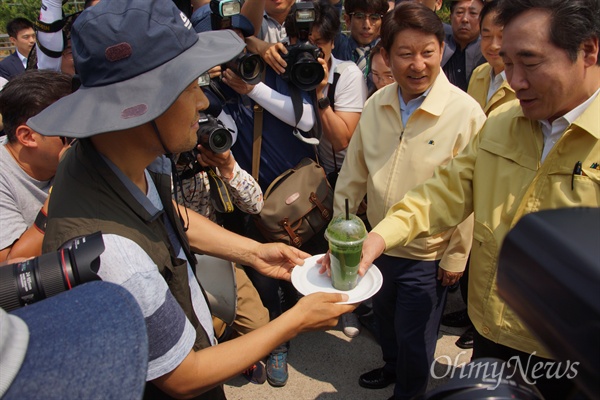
x,y
28,94
327,21
374,6
571,22
410,15
14,26
488,7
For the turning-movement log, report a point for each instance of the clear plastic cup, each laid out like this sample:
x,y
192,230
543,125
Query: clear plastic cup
x,y
345,237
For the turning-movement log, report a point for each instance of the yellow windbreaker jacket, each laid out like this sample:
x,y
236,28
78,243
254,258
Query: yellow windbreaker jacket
x,y
499,178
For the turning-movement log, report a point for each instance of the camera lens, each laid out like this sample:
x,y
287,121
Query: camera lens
x,y
306,73
52,273
251,67
248,66
213,134
220,141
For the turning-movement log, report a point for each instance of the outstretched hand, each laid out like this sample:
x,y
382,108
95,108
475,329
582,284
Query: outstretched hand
x,y
276,260
319,311
373,247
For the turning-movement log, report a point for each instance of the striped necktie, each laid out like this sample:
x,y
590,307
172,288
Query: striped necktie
x,y
363,55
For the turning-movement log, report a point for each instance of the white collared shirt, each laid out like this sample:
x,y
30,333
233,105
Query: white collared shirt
x,y
22,58
553,131
495,83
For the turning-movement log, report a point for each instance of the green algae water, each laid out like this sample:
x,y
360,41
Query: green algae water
x,y
345,237
344,266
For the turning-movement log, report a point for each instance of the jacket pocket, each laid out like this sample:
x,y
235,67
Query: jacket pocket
x,y
482,273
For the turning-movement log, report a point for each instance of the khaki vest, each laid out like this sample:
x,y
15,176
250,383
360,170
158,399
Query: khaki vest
x,y
88,197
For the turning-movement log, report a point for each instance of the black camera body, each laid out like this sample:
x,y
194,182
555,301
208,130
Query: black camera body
x,y
212,134
302,70
247,66
27,282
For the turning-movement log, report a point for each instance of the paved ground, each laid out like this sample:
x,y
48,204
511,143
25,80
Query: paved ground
x,y
326,365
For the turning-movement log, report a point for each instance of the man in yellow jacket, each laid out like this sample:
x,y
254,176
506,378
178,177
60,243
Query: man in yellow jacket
x,y
522,161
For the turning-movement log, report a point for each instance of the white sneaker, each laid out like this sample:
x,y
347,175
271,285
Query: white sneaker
x,y
350,324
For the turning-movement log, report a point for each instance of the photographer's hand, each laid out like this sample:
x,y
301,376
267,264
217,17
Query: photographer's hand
x,y
223,161
272,56
270,53
236,83
325,80
215,72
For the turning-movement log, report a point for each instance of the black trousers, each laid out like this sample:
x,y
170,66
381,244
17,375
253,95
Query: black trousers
x,y
408,309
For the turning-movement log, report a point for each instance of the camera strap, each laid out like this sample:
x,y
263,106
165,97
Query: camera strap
x,y
258,127
297,103
219,192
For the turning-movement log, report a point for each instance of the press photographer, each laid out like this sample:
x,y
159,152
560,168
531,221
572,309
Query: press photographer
x,y
302,69
225,14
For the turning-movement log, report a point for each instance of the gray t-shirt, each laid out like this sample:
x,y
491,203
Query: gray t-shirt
x,y
170,334
21,198
272,31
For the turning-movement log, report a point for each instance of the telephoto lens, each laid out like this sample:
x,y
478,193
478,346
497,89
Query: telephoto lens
x,y
27,282
212,134
247,66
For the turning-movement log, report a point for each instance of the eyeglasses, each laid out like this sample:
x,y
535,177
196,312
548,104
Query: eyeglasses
x,y
360,16
204,80
376,78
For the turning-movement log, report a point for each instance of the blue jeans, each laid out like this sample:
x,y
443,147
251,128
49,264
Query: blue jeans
x,y
408,309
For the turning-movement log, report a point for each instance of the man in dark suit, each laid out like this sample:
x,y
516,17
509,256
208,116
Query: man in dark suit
x,y
22,36
462,53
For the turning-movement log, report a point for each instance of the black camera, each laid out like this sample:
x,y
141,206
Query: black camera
x,y
27,282
247,66
303,70
213,135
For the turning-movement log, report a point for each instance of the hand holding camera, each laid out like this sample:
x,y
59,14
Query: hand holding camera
x,y
223,161
302,70
273,57
236,83
325,80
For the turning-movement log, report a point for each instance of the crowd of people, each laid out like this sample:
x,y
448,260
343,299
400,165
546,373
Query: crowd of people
x,y
440,136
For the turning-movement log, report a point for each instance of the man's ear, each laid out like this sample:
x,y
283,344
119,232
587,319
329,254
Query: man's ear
x,y
13,41
26,136
589,47
347,20
438,5
386,57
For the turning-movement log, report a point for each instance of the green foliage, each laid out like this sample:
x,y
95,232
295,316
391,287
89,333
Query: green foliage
x,y
444,12
30,9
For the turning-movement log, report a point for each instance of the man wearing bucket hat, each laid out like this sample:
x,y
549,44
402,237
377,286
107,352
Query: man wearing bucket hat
x,y
138,62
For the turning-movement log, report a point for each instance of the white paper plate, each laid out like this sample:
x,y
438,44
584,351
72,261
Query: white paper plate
x,y
306,279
